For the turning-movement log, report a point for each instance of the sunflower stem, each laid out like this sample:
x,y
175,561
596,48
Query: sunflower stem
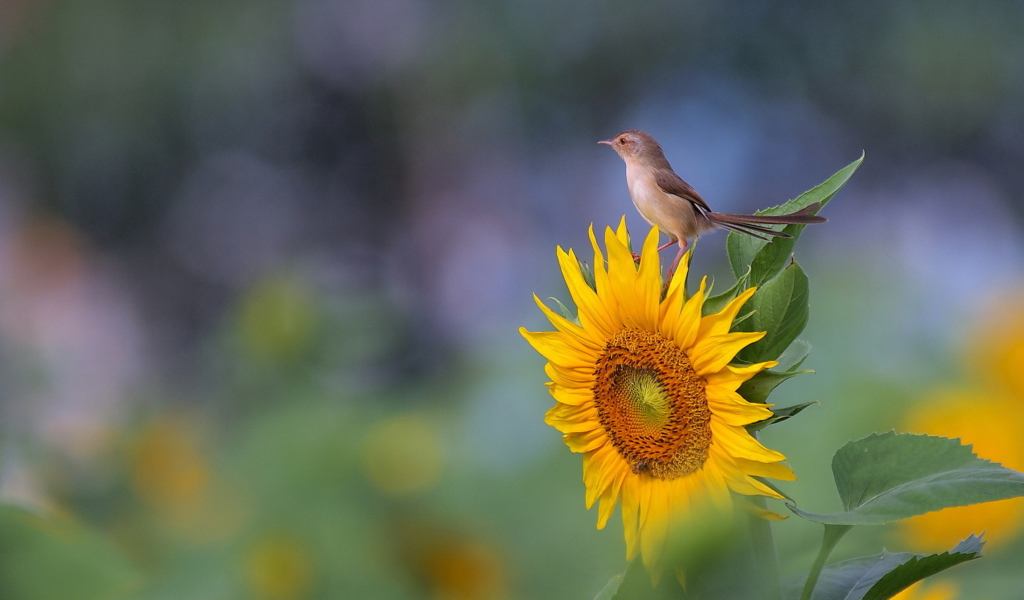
x,y
833,533
765,555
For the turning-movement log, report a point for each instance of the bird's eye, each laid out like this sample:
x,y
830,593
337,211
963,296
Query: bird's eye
x,y
622,141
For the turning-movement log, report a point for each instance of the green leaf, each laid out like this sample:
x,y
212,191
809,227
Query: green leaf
x,y
795,355
715,304
766,258
54,558
588,275
920,567
887,477
779,415
757,388
781,309
881,576
565,311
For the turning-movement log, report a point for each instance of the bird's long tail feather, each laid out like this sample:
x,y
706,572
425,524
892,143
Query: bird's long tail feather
x,y
752,224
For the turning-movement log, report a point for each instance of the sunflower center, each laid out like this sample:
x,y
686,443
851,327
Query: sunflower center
x,y
652,404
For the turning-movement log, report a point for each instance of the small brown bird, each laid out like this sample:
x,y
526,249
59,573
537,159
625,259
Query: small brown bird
x,y
665,200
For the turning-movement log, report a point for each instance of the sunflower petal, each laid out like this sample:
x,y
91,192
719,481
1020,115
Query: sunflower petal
x,y
587,441
591,311
631,514
773,470
710,355
557,348
648,282
678,281
582,337
720,323
732,377
655,529
735,441
686,331
597,474
622,276
610,497
571,395
572,419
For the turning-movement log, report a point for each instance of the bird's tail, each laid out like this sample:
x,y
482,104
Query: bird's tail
x,y
752,224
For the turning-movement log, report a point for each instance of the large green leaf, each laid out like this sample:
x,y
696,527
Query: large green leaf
x,y
920,567
887,477
780,308
883,575
766,258
54,558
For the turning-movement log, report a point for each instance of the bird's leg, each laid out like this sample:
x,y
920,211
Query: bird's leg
x,y
671,241
675,261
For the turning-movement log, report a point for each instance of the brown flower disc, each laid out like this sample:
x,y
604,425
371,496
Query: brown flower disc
x,y
652,404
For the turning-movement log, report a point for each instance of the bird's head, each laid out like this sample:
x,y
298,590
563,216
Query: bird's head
x,y
635,144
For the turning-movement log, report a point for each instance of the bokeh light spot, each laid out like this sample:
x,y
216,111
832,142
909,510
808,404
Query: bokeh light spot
x,y
403,455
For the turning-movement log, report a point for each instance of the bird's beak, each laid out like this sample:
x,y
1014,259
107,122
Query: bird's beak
x,y
606,142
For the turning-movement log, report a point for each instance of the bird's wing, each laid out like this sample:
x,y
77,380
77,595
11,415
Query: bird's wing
x,y
670,183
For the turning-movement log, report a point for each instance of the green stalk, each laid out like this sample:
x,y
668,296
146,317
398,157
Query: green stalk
x,y
765,554
833,533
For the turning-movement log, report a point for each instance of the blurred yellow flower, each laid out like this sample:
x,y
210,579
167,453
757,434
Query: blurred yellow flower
x,y
938,590
279,567
993,423
465,570
168,468
403,455
277,319
644,390
997,351
172,474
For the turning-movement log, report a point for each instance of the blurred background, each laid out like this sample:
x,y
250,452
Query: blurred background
x,y
262,265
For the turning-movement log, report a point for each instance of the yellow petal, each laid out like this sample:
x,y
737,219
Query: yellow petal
x,y
689,320
591,312
655,529
572,419
710,355
571,378
604,291
740,483
610,496
648,282
732,409
571,395
622,233
631,514
732,377
596,473
555,347
720,323
678,281
622,276
582,337
735,441
773,470
587,441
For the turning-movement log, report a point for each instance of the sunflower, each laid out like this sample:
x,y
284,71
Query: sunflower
x,y
644,390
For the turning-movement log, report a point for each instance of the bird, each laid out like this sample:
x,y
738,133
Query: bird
x,y
664,199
